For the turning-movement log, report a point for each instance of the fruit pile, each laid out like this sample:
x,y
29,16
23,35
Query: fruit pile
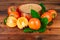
x,y
30,17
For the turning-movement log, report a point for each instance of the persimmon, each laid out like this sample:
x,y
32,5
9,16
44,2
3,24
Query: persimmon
x,y
22,22
11,21
47,15
53,13
12,10
34,23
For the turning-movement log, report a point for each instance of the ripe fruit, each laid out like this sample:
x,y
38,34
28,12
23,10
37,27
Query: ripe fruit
x,y
34,23
53,13
12,10
22,22
47,15
15,14
11,21
26,8
28,16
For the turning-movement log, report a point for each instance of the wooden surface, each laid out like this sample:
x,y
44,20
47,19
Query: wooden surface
x,y
52,32
55,4
7,33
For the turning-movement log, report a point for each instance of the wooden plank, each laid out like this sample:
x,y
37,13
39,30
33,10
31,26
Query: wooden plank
x,y
22,2
49,5
30,0
30,37
5,4
56,7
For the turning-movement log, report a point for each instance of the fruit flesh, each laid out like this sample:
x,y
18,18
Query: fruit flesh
x,y
11,21
22,22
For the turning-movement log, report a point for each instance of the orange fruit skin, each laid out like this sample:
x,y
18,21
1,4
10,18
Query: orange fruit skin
x,y
12,10
47,15
53,13
15,14
34,23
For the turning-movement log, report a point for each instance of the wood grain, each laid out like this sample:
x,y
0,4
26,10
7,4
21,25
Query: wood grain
x,y
52,32
5,4
7,33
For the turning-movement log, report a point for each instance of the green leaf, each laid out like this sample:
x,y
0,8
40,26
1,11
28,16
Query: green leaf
x,y
42,29
44,22
35,14
5,20
43,7
29,30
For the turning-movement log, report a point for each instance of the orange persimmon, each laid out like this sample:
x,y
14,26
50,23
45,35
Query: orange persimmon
x,y
47,15
12,11
34,23
53,13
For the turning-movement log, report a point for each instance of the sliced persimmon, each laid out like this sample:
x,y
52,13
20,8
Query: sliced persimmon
x,y
11,21
22,22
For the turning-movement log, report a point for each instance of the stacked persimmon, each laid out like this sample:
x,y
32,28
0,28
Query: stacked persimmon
x,y
22,17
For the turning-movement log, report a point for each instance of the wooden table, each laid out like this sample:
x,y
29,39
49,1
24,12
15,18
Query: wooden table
x,y
52,32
